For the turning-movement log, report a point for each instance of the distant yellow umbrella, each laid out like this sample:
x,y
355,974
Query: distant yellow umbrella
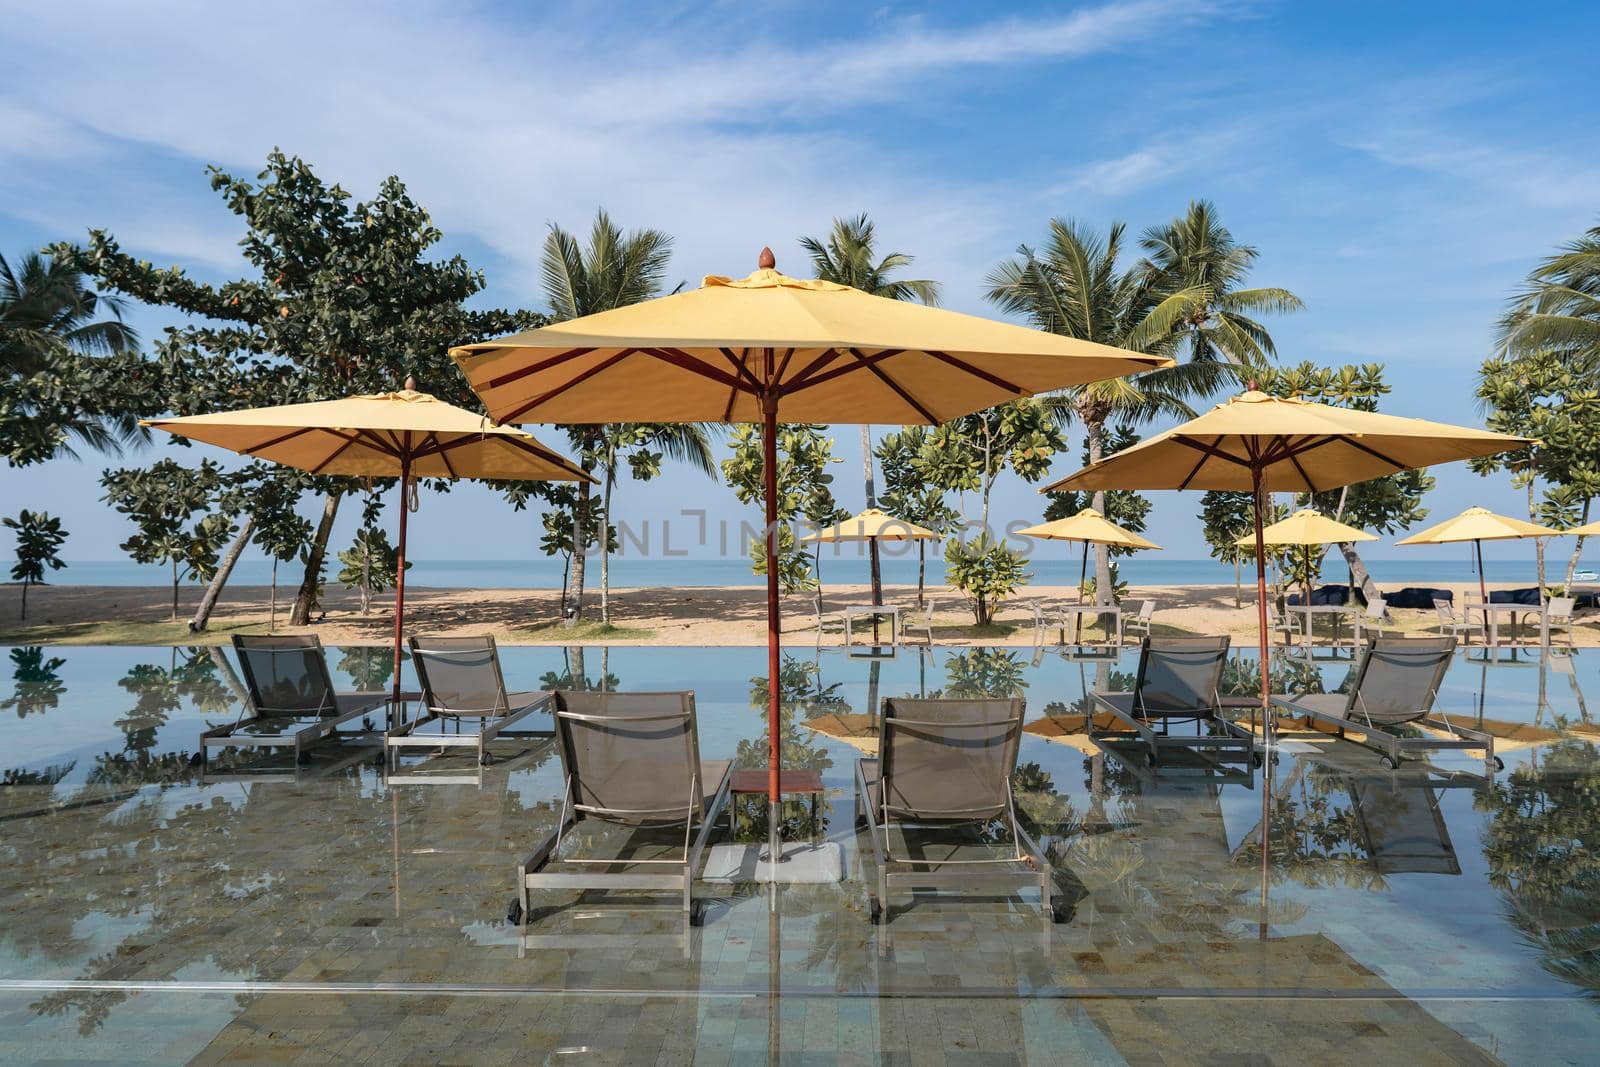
x,y
871,525
1259,444
404,434
1479,525
1092,528
1306,527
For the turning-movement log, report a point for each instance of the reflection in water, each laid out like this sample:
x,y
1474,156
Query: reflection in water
x,y
1543,847
36,684
802,694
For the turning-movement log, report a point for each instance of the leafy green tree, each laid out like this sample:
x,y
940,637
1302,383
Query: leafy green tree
x,y
804,484
1124,507
341,300
985,672
369,564
39,540
1553,397
986,571
160,500
280,531
614,269
36,684
848,257
909,495
1224,518
66,372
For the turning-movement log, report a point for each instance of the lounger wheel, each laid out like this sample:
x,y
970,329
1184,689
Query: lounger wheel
x,y
1257,759
514,914
484,759
302,757
1499,764
697,913
1060,913
198,759
1388,762
1150,757
875,912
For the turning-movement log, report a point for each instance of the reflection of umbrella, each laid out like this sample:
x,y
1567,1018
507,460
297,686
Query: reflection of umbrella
x,y
386,435
767,348
1092,528
1306,527
1479,525
1262,444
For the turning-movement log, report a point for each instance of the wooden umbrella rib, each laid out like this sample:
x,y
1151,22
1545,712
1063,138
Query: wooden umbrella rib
x,y
977,372
738,366
800,380
1201,462
1374,453
443,451
320,467
280,439
1294,458
899,390
783,365
864,362
545,454
544,398
684,361
534,368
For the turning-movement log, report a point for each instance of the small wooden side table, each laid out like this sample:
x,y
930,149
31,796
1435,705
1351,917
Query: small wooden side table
x,y
753,780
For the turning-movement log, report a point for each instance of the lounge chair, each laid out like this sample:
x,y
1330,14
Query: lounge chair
x,y
944,765
917,618
462,683
1396,682
1177,682
1558,612
291,700
1457,624
1143,620
1288,625
630,760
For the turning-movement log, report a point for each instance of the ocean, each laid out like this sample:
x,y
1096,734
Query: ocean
x,y
545,573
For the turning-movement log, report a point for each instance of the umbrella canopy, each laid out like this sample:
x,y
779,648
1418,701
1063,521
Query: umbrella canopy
x,y
1306,527
1479,525
1261,444
872,525
767,348
1591,530
404,434
1092,528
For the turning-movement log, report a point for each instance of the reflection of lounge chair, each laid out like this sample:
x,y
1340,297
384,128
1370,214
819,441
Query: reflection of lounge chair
x,y
1395,684
1402,828
292,703
944,765
1177,682
630,759
461,682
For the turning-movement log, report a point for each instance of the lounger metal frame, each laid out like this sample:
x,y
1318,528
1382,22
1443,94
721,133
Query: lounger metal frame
x,y
1213,711
495,721
908,872
1393,748
325,716
697,814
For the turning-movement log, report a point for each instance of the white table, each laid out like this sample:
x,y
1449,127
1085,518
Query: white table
x,y
1309,612
1094,611
873,611
1491,619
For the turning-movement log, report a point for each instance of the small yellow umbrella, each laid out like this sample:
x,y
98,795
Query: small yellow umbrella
x,y
1479,525
1092,528
872,526
404,434
1306,527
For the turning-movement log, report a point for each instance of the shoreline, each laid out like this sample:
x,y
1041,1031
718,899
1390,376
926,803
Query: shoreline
x,y
641,615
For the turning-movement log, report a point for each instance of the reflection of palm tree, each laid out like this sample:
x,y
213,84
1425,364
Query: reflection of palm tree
x,y
575,677
36,681
1542,844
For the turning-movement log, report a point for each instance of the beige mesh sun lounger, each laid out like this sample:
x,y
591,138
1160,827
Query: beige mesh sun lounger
x,y
462,684
632,760
1177,682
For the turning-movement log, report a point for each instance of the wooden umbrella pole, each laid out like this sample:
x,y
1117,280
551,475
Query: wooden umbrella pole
x,y
769,477
1266,694
400,571
1483,590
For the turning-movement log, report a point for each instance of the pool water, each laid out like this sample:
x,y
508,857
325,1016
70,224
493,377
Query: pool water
x,y
154,910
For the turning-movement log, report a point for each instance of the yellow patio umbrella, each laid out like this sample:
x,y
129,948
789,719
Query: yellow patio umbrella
x,y
1479,525
770,348
1262,444
1590,530
873,525
1092,528
404,434
1306,527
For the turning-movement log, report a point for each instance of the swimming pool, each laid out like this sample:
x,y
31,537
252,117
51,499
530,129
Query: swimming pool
x,y
152,910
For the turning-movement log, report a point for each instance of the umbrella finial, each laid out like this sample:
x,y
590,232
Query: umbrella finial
x,y
411,383
766,261
1254,386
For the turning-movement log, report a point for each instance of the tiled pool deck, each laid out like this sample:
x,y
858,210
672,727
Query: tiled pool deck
x,y
150,914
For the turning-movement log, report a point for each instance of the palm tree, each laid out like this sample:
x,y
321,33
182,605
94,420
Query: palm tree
x,y
614,269
848,258
48,319
1073,286
1559,308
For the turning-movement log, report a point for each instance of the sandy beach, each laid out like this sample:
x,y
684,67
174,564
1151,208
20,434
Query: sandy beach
x,y
731,615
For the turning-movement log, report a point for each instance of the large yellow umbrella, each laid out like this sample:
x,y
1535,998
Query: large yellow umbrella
x,y
770,348
1479,525
1262,444
1306,527
1092,528
403,435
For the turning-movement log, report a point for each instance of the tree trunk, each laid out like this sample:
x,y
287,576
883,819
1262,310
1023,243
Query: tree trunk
x,y
1094,430
1577,551
174,590
576,669
208,602
1359,576
306,598
816,566
1538,542
872,502
605,547
25,599
922,573
580,552
1238,593
272,619
566,571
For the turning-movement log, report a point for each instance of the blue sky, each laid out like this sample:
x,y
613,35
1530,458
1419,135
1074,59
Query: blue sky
x,y
1400,167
